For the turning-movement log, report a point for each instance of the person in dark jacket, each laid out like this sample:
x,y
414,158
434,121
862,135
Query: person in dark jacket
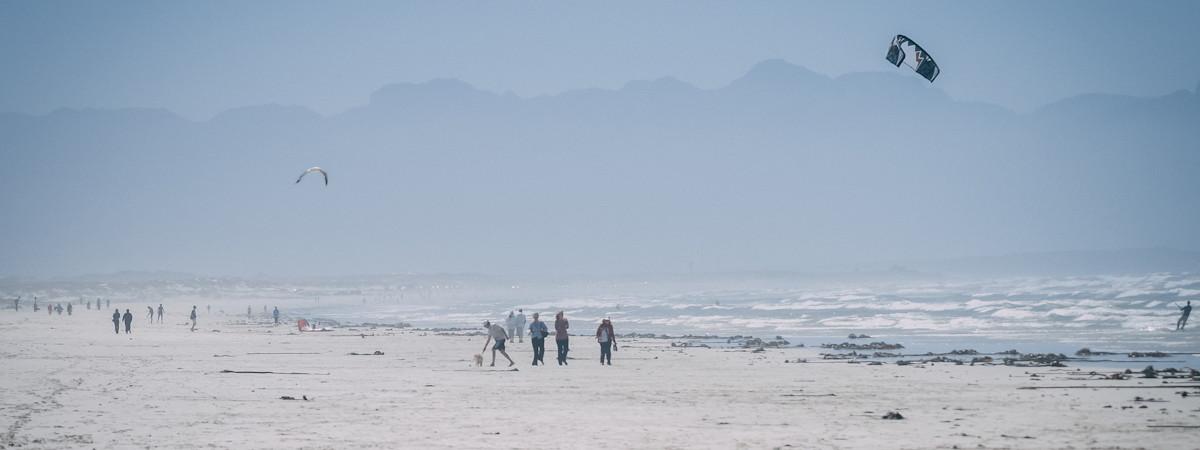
x,y
537,335
128,320
117,321
275,314
561,337
607,340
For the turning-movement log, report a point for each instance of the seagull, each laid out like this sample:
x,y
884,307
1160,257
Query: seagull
x,y
314,169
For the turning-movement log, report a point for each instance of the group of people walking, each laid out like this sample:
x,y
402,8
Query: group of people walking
x,y
538,331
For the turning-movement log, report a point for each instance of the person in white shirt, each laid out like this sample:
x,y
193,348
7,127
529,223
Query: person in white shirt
x,y
519,323
496,333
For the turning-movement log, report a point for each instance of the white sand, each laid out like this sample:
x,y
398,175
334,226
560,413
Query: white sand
x,y
69,382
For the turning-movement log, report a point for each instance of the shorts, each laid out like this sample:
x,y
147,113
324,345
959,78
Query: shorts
x,y
499,345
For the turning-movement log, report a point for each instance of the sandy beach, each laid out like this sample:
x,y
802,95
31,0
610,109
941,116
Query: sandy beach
x,y
69,382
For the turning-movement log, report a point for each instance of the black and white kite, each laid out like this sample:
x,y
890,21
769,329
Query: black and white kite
x,y
904,50
314,170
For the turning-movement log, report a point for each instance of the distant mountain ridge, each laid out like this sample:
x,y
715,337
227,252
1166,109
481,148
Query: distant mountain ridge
x,y
782,169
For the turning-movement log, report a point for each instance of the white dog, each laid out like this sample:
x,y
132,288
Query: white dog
x,y
478,360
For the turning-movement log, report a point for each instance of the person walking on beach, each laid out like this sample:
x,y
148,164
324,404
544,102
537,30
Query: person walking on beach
x,y
128,320
510,324
520,322
89,305
561,337
107,303
193,317
607,340
1183,316
17,304
496,333
150,313
275,314
58,309
117,321
249,313
537,335
160,313
69,309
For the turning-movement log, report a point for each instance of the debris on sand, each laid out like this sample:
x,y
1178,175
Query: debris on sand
x,y
1037,360
1149,372
288,397
871,346
858,336
377,353
893,416
759,343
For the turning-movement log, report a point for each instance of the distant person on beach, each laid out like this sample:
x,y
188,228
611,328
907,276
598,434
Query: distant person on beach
x,y
208,309
150,313
561,337
537,335
607,340
510,324
128,320
193,317
69,309
17,304
117,321
520,323
496,333
160,313
249,313
89,305
1186,311
107,303
275,314
58,309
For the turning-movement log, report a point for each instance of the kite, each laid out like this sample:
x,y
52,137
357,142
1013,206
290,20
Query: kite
x,y
902,48
314,170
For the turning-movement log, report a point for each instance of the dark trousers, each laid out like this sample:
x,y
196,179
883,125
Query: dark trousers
x,y
127,324
563,348
539,350
116,327
606,352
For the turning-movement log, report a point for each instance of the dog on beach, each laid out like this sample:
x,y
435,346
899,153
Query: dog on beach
x,y
478,360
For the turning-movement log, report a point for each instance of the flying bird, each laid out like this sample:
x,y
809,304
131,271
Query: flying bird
x,y
312,170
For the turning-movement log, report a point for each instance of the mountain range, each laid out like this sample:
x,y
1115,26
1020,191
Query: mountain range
x,y
782,169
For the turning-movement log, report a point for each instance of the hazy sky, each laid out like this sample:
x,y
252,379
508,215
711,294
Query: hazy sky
x,y
199,58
